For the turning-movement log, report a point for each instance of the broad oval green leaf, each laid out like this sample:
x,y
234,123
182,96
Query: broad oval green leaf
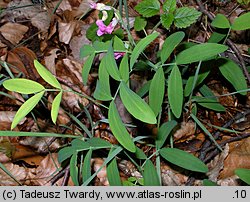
x,y
100,93
167,19
55,107
141,46
140,23
86,169
118,129
118,44
233,73
26,108
157,91
113,174
170,44
46,75
242,22
169,6
148,8
140,154
86,68
220,21
110,64
80,145
185,16
136,105
183,159
163,133
150,175
23,86
243,174
74,169
175,91
200,52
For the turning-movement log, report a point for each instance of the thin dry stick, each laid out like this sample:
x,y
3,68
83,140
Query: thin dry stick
x,y
228,41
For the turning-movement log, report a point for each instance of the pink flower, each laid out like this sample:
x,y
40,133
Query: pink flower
x,y
117,55
92,5
104,29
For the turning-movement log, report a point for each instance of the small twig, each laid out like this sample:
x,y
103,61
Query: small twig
x,y
59,175
228,41
66,176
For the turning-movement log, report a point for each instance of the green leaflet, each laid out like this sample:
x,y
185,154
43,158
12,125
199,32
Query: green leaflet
x,y
55,107
26,108
163,133
86,50
65,153
140,154
23,86
242,22
140,23
243,174
175,91
124,68
46,75
207,182
150,175
118,44
86,170
141,46
98,143
74,169
113,174
233,73
110,64
220,21
167,19
209,103
169,6
170,44
119,130
157,91
148,8
183,159
199,52
185,16
102,91
86,68
136,105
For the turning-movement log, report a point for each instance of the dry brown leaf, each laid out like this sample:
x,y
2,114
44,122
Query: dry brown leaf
x,y
230,181
74,67
217,164
66,30
102,175
7,116
13,32
129,169
187,130
19,173
238,158
50,60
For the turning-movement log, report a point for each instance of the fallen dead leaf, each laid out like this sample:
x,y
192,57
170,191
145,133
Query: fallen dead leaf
x,y
50,60
186,131
66,30
102,174
13,32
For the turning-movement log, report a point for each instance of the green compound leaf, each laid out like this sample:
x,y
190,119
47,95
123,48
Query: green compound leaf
x,y
23,86
184,17
141,46
220,21
175,91
118,129
243,174
150,175
113,174
148,8
55,107
164,132
170,44
86,68
169,6
233,73
200,52
157,91
74,169
46,75
140,23
26,108
167,19
183,159
242,22
136,105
